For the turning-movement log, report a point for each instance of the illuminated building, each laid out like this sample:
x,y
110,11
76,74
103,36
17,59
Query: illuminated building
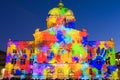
x,y
2,60
118,62
60,52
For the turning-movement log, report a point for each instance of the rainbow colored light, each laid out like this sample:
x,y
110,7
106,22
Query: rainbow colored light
x,y
61,52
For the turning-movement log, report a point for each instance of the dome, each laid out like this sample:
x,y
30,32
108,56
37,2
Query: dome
x,y
60,10
59,15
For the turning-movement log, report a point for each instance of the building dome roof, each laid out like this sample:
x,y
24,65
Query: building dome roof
x,y
61,10
59,16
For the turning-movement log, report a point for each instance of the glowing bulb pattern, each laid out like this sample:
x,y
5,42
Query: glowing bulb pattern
x,y
61,52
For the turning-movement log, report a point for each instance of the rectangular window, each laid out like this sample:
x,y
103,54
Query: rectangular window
x,y
14,51
22,61
13,71
108,71
90,61
24,51
32,50
99,71
107,61
31,71
13,61
90,71
98,61
31,61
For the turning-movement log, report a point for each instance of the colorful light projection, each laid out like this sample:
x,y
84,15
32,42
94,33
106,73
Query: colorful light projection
x,y
60,16
61,52
66,53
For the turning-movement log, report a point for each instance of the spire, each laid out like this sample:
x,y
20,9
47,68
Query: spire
x,y
60,5
111,39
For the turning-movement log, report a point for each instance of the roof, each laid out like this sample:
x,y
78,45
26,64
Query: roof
x,y
2,52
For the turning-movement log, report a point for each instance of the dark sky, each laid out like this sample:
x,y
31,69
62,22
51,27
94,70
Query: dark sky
x,y
19,18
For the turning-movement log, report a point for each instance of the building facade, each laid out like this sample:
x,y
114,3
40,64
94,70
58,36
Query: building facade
x,y
2,60
118,62
61,52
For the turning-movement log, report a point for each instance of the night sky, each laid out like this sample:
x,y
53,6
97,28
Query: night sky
x,y
20,18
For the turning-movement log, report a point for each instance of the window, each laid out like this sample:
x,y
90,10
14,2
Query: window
x,y
14,51
71,74
44,62
90,61
60,71
48,51
23,51
99,71
108,71
32,50
31,71
98,61
55,62
13,71
31,61
49,73
22,71
22,61
66,62
13,61
107,61
90,71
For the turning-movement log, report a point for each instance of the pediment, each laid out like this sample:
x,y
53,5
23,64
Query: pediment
x,y
61,33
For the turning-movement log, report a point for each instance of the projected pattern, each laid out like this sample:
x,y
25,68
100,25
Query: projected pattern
x,y
61,52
